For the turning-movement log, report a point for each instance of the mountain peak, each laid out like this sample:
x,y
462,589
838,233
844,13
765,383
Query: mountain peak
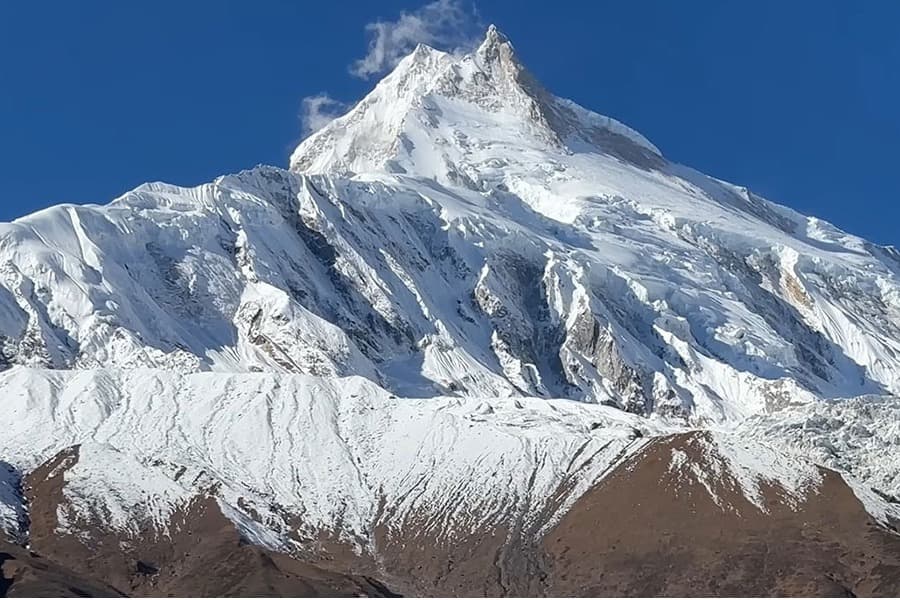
x,y
418,117
472,305
424,52
493,39
497,51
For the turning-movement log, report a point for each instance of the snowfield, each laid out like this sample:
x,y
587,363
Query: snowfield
x,y
466,297
326,450
334,452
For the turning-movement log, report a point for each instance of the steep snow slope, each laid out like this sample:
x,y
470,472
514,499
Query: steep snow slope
x,y
12,506
289,457
332,454
747,292
390,320
494,240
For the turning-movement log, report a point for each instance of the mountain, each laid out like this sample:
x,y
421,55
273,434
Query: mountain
x,y
476,339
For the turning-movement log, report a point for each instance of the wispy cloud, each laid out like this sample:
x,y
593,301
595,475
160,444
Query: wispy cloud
x,y
444,24
319,110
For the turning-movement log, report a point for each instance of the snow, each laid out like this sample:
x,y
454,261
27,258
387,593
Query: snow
x,y
457,278
859,436
13,515
328,450
729,464
118,489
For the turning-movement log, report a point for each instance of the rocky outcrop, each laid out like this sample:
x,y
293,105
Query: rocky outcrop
x,y
26,574
677,518
198,553
475,366
654,528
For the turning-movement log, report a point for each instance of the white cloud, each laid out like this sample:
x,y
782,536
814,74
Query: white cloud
x,y
443,24
318,111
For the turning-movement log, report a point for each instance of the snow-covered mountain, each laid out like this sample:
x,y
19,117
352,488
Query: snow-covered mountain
x,y
465,305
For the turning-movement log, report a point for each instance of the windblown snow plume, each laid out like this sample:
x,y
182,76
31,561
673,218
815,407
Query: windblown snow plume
x,y
445,24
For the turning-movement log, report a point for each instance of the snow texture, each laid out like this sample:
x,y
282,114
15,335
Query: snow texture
x,y
460,290
326,451
13,514
733,466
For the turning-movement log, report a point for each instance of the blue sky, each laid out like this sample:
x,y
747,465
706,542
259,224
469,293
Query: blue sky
x,y
797,100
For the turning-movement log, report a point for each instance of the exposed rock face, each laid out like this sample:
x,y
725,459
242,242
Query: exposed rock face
x,y
659,524
24,574
495,240
200,552
476,340
653,528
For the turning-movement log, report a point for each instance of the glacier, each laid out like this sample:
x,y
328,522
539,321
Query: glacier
x,y
466,294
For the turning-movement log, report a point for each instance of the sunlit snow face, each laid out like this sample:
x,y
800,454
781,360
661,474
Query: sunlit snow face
x,y
463,280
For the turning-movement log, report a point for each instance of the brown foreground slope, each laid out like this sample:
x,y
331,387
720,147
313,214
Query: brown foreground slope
x,y
649,528
23,574
200,554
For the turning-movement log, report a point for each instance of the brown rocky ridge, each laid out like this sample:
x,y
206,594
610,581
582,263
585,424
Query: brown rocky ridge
x,y
656,525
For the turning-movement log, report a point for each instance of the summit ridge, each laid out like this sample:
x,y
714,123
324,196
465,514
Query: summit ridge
x,y
469,322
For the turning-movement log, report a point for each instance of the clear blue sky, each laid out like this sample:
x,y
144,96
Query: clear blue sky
x,y
798,100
